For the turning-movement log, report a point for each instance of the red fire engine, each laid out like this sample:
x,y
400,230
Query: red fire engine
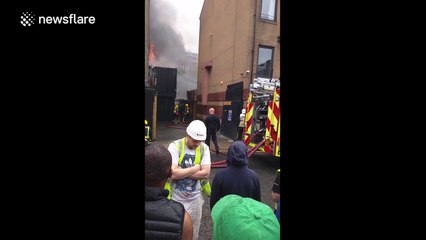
x,y
262,120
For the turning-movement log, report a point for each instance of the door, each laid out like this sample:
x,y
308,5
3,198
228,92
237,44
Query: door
x,y
231,110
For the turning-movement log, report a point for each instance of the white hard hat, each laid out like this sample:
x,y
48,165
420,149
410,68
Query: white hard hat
x,y
197,130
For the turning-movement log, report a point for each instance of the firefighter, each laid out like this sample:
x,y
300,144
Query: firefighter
x,y
147,132
241,124
186,114
181,111
176,113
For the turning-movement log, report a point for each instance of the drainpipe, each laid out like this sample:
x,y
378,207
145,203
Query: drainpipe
x,y
154,118
254,38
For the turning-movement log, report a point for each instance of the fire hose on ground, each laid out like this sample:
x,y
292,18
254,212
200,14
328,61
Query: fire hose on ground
x,y
223,164
219,164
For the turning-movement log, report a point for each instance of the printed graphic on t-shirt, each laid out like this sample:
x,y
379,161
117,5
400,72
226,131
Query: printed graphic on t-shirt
x,y
186,185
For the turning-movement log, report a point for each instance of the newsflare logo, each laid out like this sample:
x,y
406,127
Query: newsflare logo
x,y
29,19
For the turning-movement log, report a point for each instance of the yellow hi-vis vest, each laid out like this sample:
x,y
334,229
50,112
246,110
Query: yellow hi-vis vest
x,y
199,152
147,128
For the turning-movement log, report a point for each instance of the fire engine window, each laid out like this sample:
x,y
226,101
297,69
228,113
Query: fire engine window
x,y
268,10
264,63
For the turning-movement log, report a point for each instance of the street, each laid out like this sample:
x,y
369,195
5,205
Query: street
x,y
263,164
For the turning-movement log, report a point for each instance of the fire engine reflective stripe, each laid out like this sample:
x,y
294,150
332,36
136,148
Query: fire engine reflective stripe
x,y
275,114
272,125
276,110
268,137
277,148
249,98
249,120
275,121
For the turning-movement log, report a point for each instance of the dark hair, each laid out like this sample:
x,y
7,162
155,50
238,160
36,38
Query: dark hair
x,y
158,162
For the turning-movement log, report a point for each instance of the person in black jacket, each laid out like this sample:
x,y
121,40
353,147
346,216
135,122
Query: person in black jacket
x,y
276,194
213,125
164,219
237,178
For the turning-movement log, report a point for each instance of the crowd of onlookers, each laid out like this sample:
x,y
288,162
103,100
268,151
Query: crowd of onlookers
x,y
177,181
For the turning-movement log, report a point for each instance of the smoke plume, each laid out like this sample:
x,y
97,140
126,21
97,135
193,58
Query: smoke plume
x,y
169,49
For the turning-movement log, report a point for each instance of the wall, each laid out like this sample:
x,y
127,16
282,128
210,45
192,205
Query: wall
x,y
187,75
226,42
267,33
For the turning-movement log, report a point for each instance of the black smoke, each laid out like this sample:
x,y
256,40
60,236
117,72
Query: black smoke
x,y
168,44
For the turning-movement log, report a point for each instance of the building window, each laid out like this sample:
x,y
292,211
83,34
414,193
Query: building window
x,y
268,10
265,62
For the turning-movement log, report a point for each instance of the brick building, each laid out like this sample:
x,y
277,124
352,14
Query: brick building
x,y
239,41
